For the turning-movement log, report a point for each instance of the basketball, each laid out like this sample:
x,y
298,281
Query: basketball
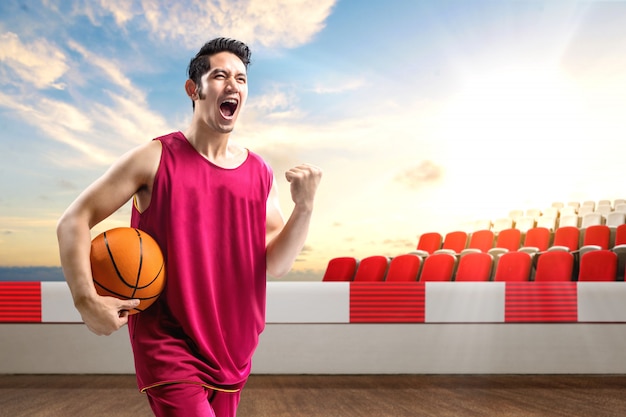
x,y
127,263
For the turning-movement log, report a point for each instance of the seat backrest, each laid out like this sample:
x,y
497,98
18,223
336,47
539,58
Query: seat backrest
x,y
455,241
372,268
538,237
554,266
340,269
513,267
525,223
549,222
474,266
569,220
598,265
501,224
620,235
509,239
429,242
598,235
438,267
481,240
615,218
404,268
567,236
591,219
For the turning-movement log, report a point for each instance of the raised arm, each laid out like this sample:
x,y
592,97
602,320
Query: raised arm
x,y
131,174
286,240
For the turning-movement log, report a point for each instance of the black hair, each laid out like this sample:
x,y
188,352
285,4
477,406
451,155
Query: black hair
x,y
200,64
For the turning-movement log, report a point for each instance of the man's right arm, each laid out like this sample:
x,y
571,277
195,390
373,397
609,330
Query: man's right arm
x,y
130,174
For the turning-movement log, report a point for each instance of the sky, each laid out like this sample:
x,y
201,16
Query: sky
x,y
424,115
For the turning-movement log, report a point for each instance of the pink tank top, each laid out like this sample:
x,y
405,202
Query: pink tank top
x,y
210,224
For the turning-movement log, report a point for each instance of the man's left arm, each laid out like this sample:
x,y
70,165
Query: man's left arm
x,y
284,241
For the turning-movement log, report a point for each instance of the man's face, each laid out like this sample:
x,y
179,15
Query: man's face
x,y
223,91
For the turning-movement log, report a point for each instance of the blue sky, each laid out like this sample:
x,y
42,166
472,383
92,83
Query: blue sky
x,y
424,115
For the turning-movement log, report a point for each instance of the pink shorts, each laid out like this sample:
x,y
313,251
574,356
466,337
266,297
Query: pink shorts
x,y
191,400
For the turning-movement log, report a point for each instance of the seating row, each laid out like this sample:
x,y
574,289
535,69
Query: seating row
x,y
550,266
552,222
572,213
536,239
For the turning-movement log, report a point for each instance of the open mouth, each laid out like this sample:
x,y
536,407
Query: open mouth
x,y
228,108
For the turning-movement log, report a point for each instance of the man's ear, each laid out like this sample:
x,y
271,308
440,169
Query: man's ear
x,y
191,89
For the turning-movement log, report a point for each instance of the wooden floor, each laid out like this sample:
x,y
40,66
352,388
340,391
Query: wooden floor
x,y
336,396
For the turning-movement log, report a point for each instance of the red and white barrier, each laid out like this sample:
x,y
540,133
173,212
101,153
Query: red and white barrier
x,y
380,302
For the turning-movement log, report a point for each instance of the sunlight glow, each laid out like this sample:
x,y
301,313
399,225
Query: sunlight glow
x,y
511,128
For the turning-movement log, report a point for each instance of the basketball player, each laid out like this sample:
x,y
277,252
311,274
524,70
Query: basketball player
x,y
213,207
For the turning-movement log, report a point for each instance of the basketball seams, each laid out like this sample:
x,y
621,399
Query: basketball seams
x,y
111,253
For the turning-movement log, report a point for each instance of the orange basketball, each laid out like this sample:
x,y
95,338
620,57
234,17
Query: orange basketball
x,y
127,263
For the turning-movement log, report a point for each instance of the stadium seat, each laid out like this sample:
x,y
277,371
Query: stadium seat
x,y
516,214
597,236
569,220
554,266
550,212
525,223
474,267
566,238
404,268
479,241
372,269
598,265
567,211
454,242
501,224
513,267
584,210
508,240
438,267
615,218
603,210
533,212
621,207
537,240
428,243
589,203
591,219
549,222
340,269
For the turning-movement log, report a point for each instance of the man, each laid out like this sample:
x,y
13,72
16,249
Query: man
x,y
213,207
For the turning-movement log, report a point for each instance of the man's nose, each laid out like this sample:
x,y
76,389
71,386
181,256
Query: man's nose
x,y
232,85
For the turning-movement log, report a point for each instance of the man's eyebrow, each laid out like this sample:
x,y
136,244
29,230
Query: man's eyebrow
x,y
225,71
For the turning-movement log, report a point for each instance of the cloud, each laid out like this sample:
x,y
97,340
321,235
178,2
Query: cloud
x,y
39,63
270,23
416,177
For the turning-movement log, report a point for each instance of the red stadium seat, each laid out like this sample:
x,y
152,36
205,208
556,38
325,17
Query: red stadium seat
x,y
480,240
404,268
474,267
598,265
566,238
597,236
513,267
537,240
438,267
428,243
340,269
555,266
454,242
372,268
508,241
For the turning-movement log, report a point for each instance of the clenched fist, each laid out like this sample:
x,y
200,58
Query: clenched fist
x,y
304,180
